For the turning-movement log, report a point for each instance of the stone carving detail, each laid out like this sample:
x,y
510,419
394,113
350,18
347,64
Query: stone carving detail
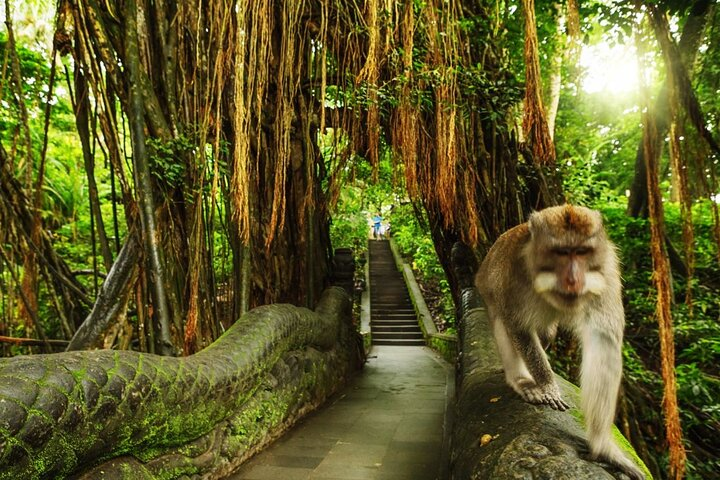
x,y
61,414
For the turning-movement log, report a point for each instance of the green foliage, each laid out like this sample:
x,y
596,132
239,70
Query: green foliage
x,y
65,182
34,71
415,242
165,158
349,227
596,145
361,196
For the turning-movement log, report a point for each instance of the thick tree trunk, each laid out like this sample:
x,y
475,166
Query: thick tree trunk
x,y
143,181
202,80
535,126
661,279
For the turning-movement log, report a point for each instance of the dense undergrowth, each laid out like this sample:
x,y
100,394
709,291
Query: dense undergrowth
x,y
697,336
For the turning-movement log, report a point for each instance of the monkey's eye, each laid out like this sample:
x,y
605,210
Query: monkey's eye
x,y
583,251
561,251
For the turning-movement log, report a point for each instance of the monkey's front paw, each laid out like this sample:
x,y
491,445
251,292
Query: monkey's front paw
x,y
556,402
543,395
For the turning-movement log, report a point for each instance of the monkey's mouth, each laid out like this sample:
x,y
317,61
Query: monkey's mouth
x,y
568,297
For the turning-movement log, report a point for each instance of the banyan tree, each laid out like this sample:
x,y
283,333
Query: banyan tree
x,y
208,114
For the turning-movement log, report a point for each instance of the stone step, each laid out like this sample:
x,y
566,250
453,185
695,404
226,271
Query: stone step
x,y
394,327
391,303
399,307
382,323
403,324
392,311
397,336
393,320
397,342
380,320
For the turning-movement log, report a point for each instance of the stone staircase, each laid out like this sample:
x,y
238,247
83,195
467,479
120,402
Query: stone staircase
x,y
393,320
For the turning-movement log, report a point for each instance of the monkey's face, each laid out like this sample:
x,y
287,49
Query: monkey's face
x,y
564,255
567,275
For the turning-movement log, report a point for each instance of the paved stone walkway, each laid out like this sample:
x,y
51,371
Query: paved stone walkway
x,y
389,424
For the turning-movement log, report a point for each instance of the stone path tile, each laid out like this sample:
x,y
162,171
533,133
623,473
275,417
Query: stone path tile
x,y
389,423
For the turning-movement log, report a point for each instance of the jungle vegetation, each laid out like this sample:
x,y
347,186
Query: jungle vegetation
x,y
166,166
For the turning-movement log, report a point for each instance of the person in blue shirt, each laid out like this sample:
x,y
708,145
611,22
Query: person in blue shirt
x,y
377,221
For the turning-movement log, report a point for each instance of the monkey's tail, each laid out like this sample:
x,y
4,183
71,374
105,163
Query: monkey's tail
x,y
600,377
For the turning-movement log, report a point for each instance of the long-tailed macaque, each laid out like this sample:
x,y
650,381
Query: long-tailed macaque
x,y
560,269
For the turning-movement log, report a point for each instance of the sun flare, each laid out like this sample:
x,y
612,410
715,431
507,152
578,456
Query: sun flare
x,y
609,69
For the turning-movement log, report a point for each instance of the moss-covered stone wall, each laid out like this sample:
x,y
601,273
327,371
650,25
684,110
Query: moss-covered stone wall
x,y
121,414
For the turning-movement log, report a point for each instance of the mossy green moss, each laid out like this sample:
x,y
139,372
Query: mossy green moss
x,y
166,413
445,345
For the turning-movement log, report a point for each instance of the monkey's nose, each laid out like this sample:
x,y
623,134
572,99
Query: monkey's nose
x,y
572,286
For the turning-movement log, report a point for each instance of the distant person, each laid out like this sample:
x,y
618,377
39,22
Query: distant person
x,y
383,230
377,224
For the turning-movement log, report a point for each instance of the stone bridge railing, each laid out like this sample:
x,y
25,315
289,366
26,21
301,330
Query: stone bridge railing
x,y
122,414
495,434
